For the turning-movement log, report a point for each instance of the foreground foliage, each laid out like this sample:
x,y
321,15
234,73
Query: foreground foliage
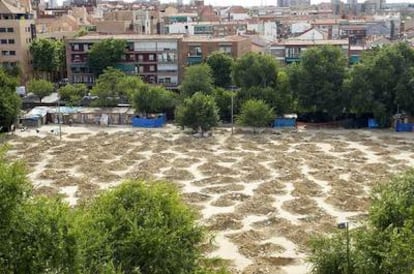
x,y
9,100
384,244
137,227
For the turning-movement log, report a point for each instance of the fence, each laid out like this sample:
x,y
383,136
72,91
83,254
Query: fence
x,y
149,122
284,122
404,127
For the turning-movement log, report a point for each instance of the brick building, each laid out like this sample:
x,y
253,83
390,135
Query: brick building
x,y
16,33
157,59
154,58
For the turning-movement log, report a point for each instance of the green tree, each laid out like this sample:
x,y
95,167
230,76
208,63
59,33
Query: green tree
x,y
140,227
152,99
107,88
129,84
48,55
255,113
198,112
317,80
221,65
73,94
197,78
35,232
382,82
222,98
40,88
377,246
9,101
255,70
105,53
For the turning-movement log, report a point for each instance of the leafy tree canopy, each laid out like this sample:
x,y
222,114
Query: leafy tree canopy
x,y
40,88
72,94
383,82
317,80
222,98
152,99
255,70
48,55
198,112
9,100
197,78
105,53
384,244
221,65
108,88
255,113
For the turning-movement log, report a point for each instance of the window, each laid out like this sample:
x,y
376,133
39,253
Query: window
x,y
2,29
152,68
3,41
12,52
151,57
10,30
5,52
75,47
140,57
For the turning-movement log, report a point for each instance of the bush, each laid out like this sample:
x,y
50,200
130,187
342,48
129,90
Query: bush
x,y
255,113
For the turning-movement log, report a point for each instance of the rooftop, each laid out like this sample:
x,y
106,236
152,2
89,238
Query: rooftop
x,y
214,39
311,42
127,37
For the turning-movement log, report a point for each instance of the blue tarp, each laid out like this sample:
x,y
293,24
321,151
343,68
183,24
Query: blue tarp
x,y
284,122
149,122
404,127
372,123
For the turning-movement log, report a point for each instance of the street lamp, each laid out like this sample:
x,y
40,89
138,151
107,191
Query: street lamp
x,y
345,225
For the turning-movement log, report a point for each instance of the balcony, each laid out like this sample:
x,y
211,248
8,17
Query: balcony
x,y
194,60
292,59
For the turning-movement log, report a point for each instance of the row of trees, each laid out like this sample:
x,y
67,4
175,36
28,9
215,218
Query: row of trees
x,y
383,245
137,227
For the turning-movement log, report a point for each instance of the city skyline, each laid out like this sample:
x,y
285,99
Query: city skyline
x,y
247,3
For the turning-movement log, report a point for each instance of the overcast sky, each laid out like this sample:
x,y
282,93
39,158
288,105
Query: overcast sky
x,y
265,2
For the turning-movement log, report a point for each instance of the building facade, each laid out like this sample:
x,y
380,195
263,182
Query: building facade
x,y
17,31
153,58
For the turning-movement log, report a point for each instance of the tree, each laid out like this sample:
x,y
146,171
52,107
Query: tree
x,y
317,80
9,101
40,88
382,82
105,53
107,88
376,247
221,65
198,112
222,98
140,227
35,232
48,55
197,78
152,99
129,84
255,70
73,94
255,113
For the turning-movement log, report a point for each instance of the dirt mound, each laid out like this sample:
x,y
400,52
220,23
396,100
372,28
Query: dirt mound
x,y
195,197
271,188
216,180
178,174
302,205
257,204
307,187
224,221
222,189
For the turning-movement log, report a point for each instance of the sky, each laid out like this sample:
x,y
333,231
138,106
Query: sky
x,y
265,2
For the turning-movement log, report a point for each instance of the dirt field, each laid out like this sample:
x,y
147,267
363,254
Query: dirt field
x,y
262,195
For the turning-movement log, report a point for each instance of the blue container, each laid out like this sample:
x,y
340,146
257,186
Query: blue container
x,y
148,122
404,127
284,122
372,123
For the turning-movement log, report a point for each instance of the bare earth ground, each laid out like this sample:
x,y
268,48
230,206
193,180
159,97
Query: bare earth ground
x,y
262,195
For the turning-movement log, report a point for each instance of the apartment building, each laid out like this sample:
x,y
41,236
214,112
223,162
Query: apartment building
x,y
195,50
16,33
290,50
154,58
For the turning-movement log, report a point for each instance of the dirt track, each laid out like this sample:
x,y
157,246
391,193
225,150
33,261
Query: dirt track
x,y
262,195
